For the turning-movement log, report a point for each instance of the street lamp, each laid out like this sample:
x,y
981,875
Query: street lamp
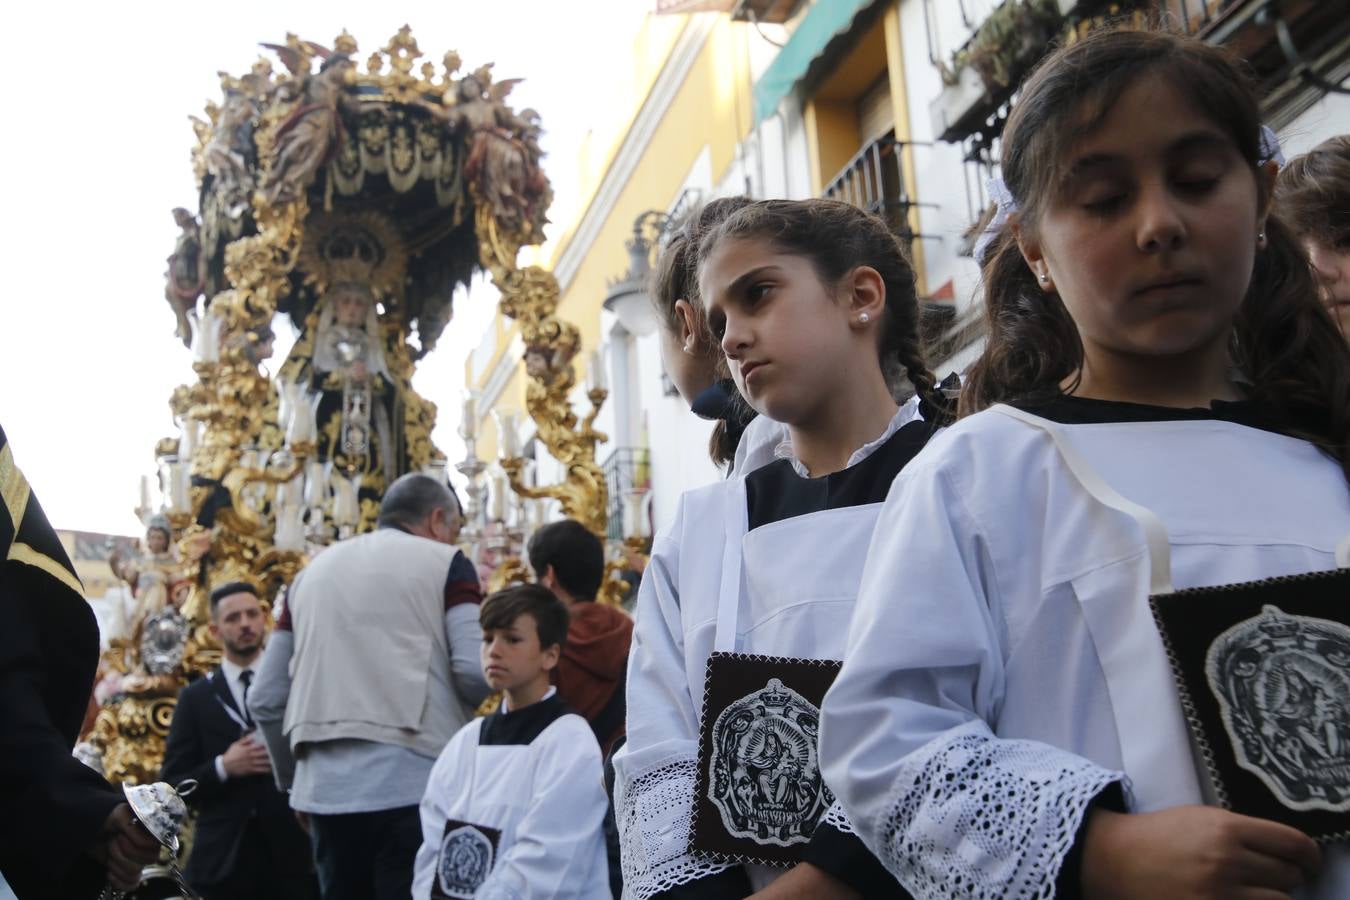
x,y
627,297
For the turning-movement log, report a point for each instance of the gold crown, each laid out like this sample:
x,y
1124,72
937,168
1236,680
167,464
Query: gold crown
x,y
389,73
354,248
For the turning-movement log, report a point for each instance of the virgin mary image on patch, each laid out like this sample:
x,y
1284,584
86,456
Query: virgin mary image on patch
x,y
465,861
1283,685
765,777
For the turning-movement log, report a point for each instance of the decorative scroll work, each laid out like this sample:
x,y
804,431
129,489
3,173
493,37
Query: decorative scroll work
x,y
530,296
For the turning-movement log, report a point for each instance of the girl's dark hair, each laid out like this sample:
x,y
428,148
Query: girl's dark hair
x,y
1313,192
676,274
1283,339
838,238
675,278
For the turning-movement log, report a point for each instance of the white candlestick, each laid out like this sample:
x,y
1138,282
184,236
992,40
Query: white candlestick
x,y
346,509
595,372
299,419
291,494
290,530
468,428
180,482
189,435
500,488
510,440
207,347
316,484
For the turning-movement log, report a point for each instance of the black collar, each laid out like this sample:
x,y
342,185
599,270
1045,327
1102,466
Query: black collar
x,y
521,726
775,492
1069,410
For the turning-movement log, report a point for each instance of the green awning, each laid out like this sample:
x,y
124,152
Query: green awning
x,y
824,21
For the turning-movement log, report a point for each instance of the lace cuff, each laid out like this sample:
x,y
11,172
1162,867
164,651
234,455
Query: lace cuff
x,y
837,819
654,812
974,815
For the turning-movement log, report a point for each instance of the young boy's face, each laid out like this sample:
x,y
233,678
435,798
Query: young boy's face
x,y
512,657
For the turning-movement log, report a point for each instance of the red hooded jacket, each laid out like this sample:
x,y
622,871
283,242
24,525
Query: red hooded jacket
x,y
593,664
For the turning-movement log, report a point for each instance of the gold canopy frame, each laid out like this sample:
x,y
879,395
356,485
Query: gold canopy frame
x,y
396,180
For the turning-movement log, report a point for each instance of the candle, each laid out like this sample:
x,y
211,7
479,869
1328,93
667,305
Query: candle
x,y
595,372
510,439
316,484
198,338
299,418
290,530
180,481
145,493
188,436
636,506
206,346
500,488
291,495
346,509
468,428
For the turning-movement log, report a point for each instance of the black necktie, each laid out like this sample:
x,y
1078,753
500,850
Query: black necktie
x,y
245,677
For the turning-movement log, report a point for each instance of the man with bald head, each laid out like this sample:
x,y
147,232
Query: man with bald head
x,y
372,669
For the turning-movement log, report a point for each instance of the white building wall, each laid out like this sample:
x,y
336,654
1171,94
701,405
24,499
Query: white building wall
x,y
1327,118
639,413
941,178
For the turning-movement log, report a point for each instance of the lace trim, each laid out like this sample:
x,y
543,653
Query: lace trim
x,y
654,814
978,817
837,819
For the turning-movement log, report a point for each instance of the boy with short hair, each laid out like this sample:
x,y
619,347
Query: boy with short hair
x,y
514,803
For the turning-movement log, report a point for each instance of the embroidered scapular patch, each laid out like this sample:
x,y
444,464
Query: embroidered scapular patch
x,y
1283,686
467,854
765,777
759,795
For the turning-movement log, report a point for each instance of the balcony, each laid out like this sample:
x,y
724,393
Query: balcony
x,y
627,469
874,182
1294,47
1297,49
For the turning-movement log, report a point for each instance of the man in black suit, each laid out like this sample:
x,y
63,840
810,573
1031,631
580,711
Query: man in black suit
x,y
248,844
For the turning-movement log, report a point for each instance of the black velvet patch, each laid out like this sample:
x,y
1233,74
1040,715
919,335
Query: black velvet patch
x,y
1263,670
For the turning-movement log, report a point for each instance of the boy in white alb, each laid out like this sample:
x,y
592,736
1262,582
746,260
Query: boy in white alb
x,y
514,804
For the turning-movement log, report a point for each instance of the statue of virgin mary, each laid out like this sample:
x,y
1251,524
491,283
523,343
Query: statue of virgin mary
x,y
359,401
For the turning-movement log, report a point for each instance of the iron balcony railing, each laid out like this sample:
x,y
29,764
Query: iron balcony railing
x,y
874,181
626,469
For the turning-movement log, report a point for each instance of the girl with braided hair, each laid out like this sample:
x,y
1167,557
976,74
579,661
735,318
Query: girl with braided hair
x,y
742,610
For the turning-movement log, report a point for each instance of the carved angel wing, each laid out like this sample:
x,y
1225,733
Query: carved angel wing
x,y
500,89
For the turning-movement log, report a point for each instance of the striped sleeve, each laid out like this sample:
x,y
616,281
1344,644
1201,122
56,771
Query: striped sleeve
x,y
461,584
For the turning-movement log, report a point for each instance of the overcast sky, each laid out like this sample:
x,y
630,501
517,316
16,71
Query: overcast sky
x,y
96,154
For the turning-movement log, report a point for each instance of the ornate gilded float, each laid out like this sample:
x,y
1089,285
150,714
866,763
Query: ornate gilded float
x,y
353,197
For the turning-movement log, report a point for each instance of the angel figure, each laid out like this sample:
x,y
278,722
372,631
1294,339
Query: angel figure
x,y
227,151
186,275
149,572
309,137
499,160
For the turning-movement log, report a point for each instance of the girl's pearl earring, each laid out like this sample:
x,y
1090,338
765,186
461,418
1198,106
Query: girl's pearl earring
x,y
1044,278
864,318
